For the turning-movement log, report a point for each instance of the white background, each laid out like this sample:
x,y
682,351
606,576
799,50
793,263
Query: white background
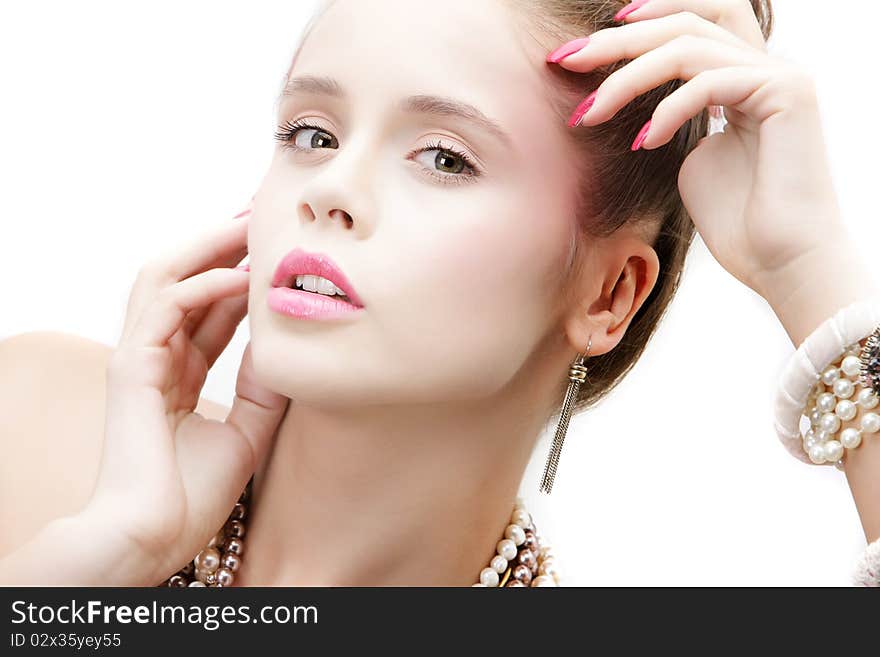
x,y
126,128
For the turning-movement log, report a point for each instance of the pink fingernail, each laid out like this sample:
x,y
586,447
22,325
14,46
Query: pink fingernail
x,y
581,109
567,49
244,267
630,8
640,138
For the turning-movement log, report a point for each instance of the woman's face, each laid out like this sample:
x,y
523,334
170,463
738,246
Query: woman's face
x,y
455,235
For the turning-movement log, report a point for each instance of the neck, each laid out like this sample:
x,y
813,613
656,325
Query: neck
x,y
389,496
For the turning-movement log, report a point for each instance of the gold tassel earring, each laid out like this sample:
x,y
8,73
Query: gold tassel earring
x,y
577,374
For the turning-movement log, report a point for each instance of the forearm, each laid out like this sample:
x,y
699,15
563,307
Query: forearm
x,y
73,551
803,296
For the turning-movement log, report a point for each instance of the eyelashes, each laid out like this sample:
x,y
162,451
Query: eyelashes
x,y
288,135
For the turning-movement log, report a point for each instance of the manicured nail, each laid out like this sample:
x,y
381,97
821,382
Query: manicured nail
x,y
244,267
640,138
247,209
630,8
581,109
567,49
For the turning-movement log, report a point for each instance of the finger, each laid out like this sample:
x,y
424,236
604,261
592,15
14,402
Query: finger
x,y
682,58
201,253
222,247
630,41
256,411
195,317
720,86
218,326
736,16
164,317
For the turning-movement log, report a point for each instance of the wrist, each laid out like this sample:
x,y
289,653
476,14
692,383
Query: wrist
x,y
812,287
93,556
118,560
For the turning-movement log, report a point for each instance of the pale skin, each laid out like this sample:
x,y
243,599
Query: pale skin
x,y
389,410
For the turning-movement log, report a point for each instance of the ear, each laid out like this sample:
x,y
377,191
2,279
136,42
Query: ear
x,y
621,272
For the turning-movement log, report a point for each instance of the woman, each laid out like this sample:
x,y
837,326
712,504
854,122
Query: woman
x,y
415,412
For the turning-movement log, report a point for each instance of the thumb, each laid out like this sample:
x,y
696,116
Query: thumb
x,y
256,411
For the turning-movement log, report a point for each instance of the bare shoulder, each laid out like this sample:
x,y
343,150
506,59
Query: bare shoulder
x,y
52,388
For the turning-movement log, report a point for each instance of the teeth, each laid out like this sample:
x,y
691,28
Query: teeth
x,y
318,284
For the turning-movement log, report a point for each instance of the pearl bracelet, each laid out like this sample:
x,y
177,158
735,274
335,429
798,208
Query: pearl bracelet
x,y
827,343
836,398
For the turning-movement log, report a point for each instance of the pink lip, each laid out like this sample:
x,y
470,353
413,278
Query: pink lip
x,y
284,299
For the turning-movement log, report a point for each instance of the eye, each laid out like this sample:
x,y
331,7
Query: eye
x,y
290,137
456,166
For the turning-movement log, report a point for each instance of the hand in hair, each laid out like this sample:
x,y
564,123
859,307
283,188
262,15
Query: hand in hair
x,y
760,193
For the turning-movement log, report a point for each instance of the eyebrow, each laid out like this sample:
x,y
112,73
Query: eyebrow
x,y
441,106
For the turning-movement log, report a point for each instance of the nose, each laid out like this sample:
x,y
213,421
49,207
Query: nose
x,y
339,196
335,215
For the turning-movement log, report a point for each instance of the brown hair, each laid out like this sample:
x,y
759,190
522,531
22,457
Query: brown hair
x,y
621,187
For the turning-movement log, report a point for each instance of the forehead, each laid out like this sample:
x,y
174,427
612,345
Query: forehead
x,y
467,49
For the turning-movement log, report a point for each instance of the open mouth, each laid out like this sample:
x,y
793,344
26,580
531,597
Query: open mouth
x,y
318,286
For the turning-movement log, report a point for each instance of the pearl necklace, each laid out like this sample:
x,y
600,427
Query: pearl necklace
x,y
521,558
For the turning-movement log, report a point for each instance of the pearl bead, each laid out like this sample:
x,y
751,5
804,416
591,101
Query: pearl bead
x,y
543,580
850,438
514,582
833,450
231,561
547,567
196,583
506,548
236,528
846,410
208,560
515,533
839,465
235,546
815,416
867,399
177,581
224,577
851,366
489,577
523,574
829,422
527,558
830,375
817,455
822,435
498,563
810,440
522,518
825,402
870,423
546,552
844,388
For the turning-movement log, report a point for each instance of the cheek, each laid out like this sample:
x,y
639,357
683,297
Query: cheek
x,y
481,291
